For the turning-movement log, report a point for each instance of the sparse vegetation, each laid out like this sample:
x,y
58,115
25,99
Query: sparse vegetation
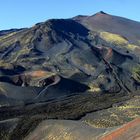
x,y
132,47
7,36
118,40
94,88
113,38
5,64
65,61
136,73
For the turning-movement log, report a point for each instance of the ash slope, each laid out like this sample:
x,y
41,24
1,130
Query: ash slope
x,y
85,49
62,63
114,24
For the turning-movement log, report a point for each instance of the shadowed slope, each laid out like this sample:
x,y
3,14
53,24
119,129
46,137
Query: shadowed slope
x,y
55,69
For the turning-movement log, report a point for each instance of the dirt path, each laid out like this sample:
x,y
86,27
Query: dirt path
x,y
129,131
43,92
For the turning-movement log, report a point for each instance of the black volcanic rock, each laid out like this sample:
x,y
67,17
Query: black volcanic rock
x,y
53,70
78,46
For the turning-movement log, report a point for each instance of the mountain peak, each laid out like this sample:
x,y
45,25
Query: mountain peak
x,y
101,13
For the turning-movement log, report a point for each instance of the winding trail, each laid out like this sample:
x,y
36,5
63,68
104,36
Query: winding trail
x,y
43,92
129,131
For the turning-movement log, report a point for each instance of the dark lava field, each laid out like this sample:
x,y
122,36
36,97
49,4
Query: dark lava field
x,y
71,79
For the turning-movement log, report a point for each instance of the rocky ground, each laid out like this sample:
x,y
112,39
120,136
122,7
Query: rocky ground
x,y
70,79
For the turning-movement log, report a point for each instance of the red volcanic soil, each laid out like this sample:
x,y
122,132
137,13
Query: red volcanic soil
x,y
129,131
39,73
109,54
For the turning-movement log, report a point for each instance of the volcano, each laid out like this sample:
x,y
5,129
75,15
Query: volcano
x,y
64,69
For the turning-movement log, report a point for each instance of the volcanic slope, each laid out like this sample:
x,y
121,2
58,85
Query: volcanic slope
x,y
54,69
101,58
102,21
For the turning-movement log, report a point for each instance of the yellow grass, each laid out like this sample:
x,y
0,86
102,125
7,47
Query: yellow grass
x,y
118,40
128,107
94,88
136,73
113,38
132,47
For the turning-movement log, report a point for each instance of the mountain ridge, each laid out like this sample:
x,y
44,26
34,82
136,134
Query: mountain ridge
x,y
85,69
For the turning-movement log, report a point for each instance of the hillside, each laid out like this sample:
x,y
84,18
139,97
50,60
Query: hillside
x,y
63,69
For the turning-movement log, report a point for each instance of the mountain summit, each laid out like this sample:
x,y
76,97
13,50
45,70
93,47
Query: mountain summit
x,y
114,24
101,12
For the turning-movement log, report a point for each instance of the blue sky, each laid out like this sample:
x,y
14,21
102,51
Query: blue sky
x,y
25,13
